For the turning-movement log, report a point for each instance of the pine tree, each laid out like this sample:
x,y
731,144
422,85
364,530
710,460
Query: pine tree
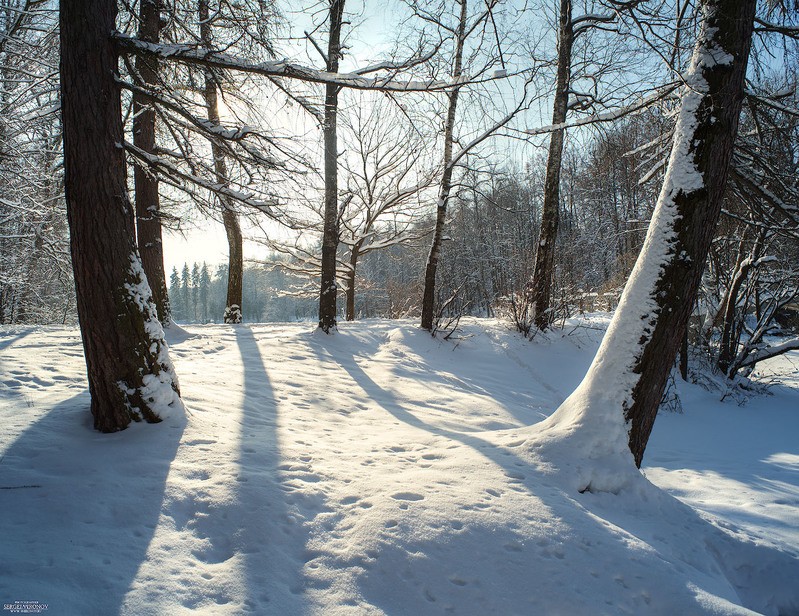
x,y
129,371
195,292
175,296
185,297
205,290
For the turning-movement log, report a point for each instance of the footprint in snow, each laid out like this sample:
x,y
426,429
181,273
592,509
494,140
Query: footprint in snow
x,y
407,496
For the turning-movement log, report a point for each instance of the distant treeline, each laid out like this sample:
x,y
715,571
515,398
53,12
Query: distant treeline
x,y
197,295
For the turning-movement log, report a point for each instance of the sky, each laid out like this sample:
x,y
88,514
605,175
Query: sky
x,y
207,244
372,32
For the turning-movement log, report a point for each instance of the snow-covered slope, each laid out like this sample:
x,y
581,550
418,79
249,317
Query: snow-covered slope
x,y
380,471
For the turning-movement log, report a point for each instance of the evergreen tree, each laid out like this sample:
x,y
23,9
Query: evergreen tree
x,y
185,286
195,292
175,296
205,291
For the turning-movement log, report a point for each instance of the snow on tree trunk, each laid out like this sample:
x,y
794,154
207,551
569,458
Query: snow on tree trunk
x,y
235,276
611,413
129,371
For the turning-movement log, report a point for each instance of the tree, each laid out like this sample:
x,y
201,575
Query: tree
x,y
36,283
541,286
566,98
445,185
176,296
639,349
148,205
205,290
195,291
329,288
130,374
383,185
185,293
463,28
229,217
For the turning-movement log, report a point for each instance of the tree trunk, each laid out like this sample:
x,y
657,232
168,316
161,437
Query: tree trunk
x,y
129,370
354,254
329,288
730,331
684,356
235,276
233,311
445,187
541,285
702,150
148,222
621,392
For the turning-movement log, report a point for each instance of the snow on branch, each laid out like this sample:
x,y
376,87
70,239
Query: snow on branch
x,y
304,102
177,177
774,104
609,116
192,54
586,22
398,66
210,129
784,214
768,352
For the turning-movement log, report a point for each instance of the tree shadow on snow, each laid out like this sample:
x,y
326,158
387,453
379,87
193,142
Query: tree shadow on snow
x,y
267,523
10,337
6,340
766,459
638,553
79,508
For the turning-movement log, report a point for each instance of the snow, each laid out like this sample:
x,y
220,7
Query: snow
x,y
591,421
191,54
158,389
382,471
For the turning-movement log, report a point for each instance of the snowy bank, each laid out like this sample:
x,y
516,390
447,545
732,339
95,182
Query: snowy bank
x,y
381,471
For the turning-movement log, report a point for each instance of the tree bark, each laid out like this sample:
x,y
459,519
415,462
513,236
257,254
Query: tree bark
x,y
329,289
730,331
129,371
148,222
445,187
235,277
541,284
620,395
233,310
354,254
690,202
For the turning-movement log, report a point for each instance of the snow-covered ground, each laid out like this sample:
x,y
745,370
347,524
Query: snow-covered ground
x,y
380,471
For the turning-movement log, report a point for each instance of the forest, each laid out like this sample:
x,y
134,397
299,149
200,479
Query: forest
x,y
483,176
487,160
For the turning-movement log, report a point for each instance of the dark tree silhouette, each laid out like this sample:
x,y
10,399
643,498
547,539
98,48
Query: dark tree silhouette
x,y
148,222
129,370
329,288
